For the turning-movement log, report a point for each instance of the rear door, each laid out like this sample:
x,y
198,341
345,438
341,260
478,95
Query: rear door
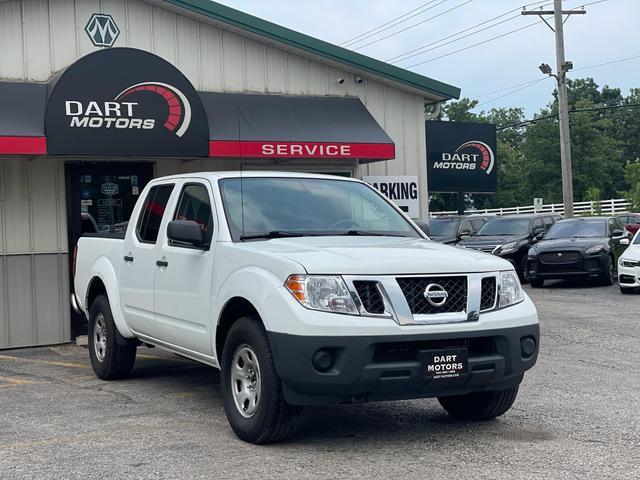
x,y
139,261
183,283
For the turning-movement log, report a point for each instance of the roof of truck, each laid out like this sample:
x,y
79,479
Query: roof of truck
x,y
253,174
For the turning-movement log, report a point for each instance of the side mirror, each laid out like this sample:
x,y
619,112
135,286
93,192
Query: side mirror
x,y
625,241
617,233
187,232
464,233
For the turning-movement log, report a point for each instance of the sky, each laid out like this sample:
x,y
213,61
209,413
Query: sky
x,y
609,31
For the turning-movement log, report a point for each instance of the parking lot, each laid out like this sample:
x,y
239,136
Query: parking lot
x,y
576,415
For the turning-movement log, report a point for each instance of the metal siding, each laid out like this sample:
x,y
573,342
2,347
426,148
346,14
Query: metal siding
x,y
63,33
334,88
48,300
3,226
138,25
118,10
36,39
22,329
44,204
164,34
297,75
394,123
255,66
233,62
11,40
84,10
16,205
4,308
210,58
317,78
276,70
188,46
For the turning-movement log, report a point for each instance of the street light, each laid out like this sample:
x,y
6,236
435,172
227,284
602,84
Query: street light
x,y
545,68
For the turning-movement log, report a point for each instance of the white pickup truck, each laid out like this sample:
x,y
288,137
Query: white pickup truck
x,y
303,290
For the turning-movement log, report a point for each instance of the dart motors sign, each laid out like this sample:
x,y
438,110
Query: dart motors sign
x,y
124,101
461,157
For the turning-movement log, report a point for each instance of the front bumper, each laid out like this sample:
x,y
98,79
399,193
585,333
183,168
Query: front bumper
x,y
629,277
372,368
585,267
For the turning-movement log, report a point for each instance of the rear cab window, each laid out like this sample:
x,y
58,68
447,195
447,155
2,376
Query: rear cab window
x,y
151,215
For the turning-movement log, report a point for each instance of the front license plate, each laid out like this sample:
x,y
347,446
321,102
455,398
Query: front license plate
x,y
449,363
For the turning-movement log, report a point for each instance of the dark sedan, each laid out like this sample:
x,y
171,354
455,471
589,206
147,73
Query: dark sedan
x,y
578,248
450,230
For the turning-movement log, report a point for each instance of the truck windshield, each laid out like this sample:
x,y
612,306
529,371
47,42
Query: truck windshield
x,y
262,208
577,229
443,227
504,226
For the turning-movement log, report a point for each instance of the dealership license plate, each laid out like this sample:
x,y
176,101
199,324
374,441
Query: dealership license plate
x,y
449,363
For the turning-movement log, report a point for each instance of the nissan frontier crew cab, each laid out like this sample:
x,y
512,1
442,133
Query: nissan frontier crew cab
x,y
303,290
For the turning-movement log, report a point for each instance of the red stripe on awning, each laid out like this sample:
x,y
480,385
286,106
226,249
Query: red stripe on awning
x,y
326,150
23,146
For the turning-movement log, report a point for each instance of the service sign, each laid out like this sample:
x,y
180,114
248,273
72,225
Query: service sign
x,y
401,190
461,157
123,101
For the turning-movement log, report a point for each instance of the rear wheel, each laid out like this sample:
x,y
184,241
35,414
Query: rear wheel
x,y
110,360
251,388
479,406
609,275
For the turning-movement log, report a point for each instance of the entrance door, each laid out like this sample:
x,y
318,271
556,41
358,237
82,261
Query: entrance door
x,y
100,198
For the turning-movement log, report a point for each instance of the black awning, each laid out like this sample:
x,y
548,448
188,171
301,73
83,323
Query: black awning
x,y
277,126
22,118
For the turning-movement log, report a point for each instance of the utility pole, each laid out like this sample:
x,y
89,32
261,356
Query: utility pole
x,y
562,67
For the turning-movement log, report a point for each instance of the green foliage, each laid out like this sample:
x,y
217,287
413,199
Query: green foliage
x,y
605,147
593,195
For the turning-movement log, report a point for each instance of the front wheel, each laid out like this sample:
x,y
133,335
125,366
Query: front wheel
x,y
110,360
479,406
537,283
609,275
251,389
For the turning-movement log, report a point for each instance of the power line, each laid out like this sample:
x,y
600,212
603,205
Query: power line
x,y
575,110
414,25
607,63
411,53
531,84
358,38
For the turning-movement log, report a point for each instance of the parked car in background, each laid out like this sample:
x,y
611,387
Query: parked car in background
x,y
631,221
510,237
450,230
586,247
629,267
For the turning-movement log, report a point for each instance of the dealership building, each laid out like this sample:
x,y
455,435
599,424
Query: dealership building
x,y
97,97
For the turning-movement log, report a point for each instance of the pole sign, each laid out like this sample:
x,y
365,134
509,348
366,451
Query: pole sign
x,y
461,157
401,190
537,204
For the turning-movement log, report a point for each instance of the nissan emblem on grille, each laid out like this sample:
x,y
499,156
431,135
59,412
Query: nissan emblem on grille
x,y
435,295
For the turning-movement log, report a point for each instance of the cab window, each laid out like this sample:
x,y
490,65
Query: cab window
x,y
465,225
477,224
152,213
537,223
194,205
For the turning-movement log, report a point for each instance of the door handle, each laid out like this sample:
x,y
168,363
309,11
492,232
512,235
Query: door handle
x,y
162,263
128,258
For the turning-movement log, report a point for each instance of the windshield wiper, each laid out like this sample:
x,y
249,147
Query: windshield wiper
x,y
364,233
275,234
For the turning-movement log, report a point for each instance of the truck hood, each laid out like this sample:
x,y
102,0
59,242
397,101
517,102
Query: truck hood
x,y
378,256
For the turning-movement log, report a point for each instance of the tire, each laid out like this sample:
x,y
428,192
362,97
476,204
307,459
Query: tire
x,y
479,406
608,276
254,404
523,271
109,359
537,283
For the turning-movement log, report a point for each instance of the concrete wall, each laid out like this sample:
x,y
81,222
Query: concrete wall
x,y
34,264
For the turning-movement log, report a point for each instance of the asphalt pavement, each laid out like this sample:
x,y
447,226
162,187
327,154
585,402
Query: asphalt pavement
x,y
577,415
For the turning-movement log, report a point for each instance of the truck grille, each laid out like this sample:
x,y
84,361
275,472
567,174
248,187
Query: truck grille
x,y
414,290
555,258
369,296
488,293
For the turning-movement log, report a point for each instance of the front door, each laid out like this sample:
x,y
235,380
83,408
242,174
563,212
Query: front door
x,y
182,280
100,198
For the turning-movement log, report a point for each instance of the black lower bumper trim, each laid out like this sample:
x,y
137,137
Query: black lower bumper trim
x,y
372,368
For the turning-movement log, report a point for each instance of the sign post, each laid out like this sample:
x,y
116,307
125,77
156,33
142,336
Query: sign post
x,y
537,204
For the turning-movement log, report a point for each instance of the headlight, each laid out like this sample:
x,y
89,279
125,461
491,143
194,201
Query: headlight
x,y
533,252
510,289
509,247
600,248
326,293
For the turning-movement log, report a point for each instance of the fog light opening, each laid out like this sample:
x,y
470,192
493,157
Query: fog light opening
x,y
527,346
322,360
